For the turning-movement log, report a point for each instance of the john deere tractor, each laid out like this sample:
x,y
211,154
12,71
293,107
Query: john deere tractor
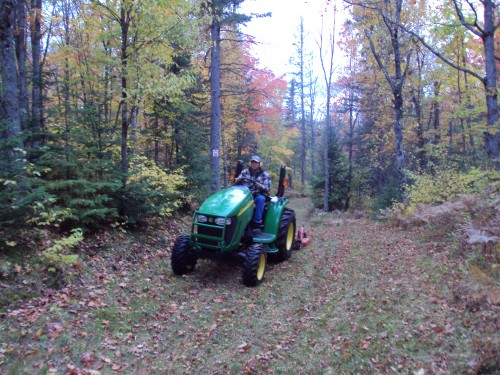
x,y
221,228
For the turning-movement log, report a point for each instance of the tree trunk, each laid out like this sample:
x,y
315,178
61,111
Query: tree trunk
x,y
396,82
326,160
20,42
327,74
468,121
399,144
437,114
491,135
36,91
225,164
312,101
67,84
124,25
215,93
9,109
350,145
450,137
419,131
134,113
303,153
107,97
156,151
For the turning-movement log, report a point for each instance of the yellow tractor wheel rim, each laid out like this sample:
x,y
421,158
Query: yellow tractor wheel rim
x,y
289,236
262,266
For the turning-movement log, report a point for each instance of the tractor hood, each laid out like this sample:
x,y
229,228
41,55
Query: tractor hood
x,y
228,202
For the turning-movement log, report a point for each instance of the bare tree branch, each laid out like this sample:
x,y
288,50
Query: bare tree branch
x,y
473,28
439,54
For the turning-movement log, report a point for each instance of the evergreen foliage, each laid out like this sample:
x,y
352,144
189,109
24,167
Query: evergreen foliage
x,y
79,171
388,196
338,172
22,198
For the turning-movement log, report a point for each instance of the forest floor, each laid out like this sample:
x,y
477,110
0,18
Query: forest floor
x,y
362,297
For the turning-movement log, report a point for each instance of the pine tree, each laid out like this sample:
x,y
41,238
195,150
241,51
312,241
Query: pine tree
x,y
337,178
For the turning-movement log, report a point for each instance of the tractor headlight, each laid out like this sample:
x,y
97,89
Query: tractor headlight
x,y
222,221
201,219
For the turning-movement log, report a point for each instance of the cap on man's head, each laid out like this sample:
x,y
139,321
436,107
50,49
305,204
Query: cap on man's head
x,y
255,158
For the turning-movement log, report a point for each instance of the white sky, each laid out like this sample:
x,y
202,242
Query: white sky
x,y
276,34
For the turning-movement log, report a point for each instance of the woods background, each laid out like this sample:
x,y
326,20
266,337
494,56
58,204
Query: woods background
x,y
115,112
119,117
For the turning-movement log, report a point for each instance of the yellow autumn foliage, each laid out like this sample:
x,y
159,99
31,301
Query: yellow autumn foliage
x,y
157,190
445,185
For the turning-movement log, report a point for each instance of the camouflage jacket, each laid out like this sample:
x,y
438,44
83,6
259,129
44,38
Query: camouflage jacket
x,y
260,176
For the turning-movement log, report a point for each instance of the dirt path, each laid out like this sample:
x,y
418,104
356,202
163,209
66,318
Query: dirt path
x,y
361,298
303,208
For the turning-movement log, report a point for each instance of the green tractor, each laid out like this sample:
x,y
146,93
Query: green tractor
x,y
221,228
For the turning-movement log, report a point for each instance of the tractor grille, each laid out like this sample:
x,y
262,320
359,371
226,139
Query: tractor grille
x,y
214,232
217,234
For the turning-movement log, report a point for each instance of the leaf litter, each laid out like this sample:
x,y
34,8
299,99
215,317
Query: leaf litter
x,y
362,297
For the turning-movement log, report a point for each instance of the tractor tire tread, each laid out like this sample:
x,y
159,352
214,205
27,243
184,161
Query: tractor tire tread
x,y
182,261
251,264
287,219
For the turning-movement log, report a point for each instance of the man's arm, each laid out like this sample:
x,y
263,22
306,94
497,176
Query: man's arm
x,y
244,174
264,183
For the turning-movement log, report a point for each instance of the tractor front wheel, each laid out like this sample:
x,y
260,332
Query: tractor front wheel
x,y
183,261
254,265
286,235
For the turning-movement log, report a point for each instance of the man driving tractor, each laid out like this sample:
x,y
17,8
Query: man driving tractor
x,y
259,183
229,224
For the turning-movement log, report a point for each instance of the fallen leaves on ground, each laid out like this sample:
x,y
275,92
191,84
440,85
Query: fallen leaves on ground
x,y
362,297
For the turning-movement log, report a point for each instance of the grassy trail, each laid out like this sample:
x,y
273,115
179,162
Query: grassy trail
x,y
363,297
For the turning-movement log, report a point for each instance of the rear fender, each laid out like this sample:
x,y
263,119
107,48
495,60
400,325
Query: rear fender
x,y
273,216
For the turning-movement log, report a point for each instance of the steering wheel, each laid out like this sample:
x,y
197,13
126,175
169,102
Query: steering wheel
x,y
247,180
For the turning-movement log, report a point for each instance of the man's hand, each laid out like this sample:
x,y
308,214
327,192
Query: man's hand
x,y
259,186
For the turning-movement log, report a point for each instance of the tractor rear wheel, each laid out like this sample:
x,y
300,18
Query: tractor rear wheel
x,y
286,235
254,265
183,261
